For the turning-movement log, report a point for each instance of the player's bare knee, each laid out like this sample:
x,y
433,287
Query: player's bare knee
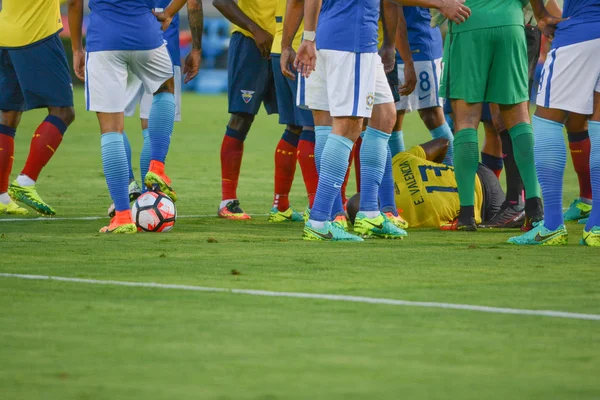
x,y
241,122
576,123
432,117
383,117
66,114
10,118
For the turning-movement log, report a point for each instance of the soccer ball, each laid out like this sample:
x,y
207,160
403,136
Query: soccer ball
x,y
154,212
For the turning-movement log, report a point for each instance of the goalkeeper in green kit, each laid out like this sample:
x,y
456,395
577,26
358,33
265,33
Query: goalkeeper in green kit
x,y
485,60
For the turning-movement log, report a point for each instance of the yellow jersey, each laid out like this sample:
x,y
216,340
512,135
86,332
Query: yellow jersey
x,y
25,22
427,191
262,12
278,37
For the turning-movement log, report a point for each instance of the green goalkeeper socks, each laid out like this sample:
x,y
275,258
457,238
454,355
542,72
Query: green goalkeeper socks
x,y
522,139
466,162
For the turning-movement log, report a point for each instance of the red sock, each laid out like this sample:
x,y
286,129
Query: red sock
x,y
285,168
232,150
45,142
356,153
306,159
579,144
7,151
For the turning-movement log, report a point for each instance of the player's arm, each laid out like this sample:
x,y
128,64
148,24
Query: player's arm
x,y
166,16
435,150
235,15
389,22
196,21
553,8
75,27
306,58
546,22
294,12
410,76
454,10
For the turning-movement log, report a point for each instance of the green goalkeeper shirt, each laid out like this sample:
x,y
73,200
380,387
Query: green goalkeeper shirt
x,y
490,14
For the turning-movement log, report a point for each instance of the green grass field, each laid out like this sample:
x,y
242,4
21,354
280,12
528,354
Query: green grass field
x,y
65,340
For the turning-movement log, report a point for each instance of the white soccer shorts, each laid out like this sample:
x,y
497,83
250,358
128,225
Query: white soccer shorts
x,y
570,77
136,94
426,94
345,84
106,75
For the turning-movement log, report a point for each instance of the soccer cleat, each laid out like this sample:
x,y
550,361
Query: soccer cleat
x,y
329,233
397,220
534,212
577,210
134,192
121,223
341,220
582,221
12,208
233,211
288,215
511,215
540,235
29,196
379,226
591,238
306,215
459,225
156,178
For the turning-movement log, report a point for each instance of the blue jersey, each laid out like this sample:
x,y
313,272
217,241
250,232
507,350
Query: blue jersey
x,y
123,25
348,25
425,41
583,23
171,35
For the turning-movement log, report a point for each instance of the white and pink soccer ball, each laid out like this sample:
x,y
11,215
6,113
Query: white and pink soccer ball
x,y
154,212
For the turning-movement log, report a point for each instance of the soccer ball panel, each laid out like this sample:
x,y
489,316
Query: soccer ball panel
x,y
166,208
148,220
154,212
146,200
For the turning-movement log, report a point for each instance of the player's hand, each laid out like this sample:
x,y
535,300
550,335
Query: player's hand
x,y
410,80
191,65
288,55
455,10
388,57
79,64
306,58
164,18
264,41
547,25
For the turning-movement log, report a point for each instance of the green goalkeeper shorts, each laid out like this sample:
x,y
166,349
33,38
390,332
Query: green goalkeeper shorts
x,y
486,65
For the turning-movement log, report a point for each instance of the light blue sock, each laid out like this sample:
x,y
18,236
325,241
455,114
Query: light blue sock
x,y
321,135
114,163
387,200
594,132
444,131
160,125
396,142
334,164
550,154
373,156
145,157
128,152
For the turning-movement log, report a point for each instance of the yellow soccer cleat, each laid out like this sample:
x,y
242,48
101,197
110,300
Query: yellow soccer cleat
x,y
121,223
397,220
379,226
342,222
12,208
288,215
233,211
591,238
163,183
28,195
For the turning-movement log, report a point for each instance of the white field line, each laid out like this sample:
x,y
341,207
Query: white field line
x,y
99,218
330,297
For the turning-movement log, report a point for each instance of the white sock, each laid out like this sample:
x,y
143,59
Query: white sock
x,y
24,180
370,214
316,224
5,198
586,201
224,203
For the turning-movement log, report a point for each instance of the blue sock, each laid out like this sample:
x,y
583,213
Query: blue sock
x,y
387,200
444,131
145,157
550,155
449,121
160,125
373,156
128,152
594,132
114,163
492,162
321,135
334,164
396,142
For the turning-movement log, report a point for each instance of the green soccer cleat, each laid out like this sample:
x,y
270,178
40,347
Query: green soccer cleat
x,y
306,215
341,221
288,215
591,238
379,226
29,196
577,210
329,233
540,235
153,180
12,208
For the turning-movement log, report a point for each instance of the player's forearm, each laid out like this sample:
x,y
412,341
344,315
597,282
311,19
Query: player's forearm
x,y
196,20
294,12
235,15
312,8
389,22
539,10
402,43
553,8
75,23
174,7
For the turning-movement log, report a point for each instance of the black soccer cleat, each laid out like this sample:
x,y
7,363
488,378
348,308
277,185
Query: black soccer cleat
x,y
511,215
534,212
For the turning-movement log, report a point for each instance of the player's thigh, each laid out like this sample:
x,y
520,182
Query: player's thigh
x,y
467,61
312,91
147,98
43,74
106,75
11,96
383,116
152,67
508,81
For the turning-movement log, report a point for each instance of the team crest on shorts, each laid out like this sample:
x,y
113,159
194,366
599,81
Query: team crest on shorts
x,y
247,95
370,100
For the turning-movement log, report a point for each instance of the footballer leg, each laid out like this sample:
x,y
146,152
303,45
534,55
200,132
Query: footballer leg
x,y
591,232
8,124
580,148
434,120
285,168
134,189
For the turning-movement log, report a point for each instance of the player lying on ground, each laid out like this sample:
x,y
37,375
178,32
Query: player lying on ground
x,y
426,189
34,73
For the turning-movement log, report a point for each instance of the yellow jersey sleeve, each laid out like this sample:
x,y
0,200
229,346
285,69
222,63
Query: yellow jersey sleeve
x,y
379,34
419,152
278,37
260,11
25,22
